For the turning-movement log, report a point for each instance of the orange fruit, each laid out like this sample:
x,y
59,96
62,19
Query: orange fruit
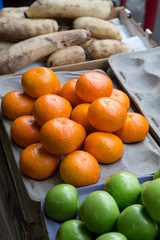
x,y
68,91
38,81
79,114
25,131
93,85
57,88
135,128
61,135
35,162
105,147
107,114
16,103
121,97
79,169
50,106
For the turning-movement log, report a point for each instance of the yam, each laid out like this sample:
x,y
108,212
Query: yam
x,y
105,48
99,28
28,51
16,12
86,44
69,9
14,31
65,56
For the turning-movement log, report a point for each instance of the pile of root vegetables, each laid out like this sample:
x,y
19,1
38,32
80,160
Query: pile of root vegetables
x,y
59,32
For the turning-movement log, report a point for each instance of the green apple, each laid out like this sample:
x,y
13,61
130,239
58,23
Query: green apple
x,y
156,174
151,199
143,185
135,223
99,212
124,188
112,236
158,234
73,230
62,202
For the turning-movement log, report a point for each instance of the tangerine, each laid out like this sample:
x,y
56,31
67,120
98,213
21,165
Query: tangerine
x,y
68,91
25,131
50,106
107,114
135,128
38,81
93,85
16,103
37,163
79,114
61,135
105,147
79,169
121,97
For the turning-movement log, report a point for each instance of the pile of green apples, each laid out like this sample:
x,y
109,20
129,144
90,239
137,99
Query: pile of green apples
x,y
123,210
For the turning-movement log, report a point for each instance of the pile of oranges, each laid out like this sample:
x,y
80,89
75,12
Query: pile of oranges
x,y
73,128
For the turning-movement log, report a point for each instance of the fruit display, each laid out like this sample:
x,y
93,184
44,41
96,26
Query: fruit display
x,y
58,34
71,147
124,187
151,199
73,129
37,163
62,202
135,217
101,217
65,135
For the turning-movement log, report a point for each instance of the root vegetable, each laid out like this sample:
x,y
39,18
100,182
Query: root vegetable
x,y
28,51
68,55
69,9
86,44
13,30
16,12
99,28
105,48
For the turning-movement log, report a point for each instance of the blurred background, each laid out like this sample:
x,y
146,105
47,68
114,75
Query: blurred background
x,y
137,7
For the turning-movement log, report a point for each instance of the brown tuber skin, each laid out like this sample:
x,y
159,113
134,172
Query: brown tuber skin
x,y
107,47
69,9
68,55
16,12
13,30
99,28
31,50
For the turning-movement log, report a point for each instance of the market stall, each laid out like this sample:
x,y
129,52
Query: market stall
x,y
136,73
